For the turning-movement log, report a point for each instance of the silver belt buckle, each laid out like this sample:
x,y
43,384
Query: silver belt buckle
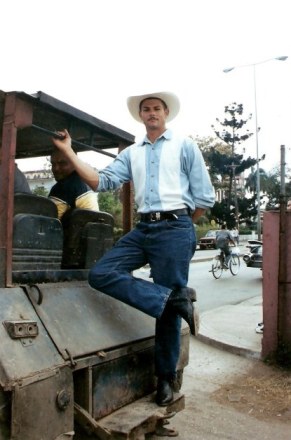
x,y
158,216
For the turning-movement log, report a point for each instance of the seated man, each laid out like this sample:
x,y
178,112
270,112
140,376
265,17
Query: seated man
x,y
70,191
20,182
223,238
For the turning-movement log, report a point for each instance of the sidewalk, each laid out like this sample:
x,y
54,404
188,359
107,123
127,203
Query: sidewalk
x,y
232,328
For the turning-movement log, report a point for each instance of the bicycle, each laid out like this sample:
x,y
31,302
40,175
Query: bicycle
x,y
218,264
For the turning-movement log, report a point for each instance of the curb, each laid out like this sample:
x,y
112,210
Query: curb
x,y
239,351
242,341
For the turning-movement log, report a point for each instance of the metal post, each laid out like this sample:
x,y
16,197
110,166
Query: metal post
x,y
233,167
283,326
258,159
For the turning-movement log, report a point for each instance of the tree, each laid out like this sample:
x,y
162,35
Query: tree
x,y
225,165
110,202
270,186
230,164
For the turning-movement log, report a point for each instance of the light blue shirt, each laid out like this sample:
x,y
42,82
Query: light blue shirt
x,y
167,174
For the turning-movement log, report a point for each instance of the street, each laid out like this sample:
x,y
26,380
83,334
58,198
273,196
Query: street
x,y
229,289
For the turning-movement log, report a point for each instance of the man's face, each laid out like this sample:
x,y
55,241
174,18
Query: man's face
x,y
61,167
153,113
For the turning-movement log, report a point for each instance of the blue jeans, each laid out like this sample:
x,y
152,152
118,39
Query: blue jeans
x,y
167,246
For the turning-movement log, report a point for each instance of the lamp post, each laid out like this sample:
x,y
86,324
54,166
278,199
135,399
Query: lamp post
x,y
253,65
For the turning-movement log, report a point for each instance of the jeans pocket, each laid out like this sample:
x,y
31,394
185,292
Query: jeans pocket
x,y
180,223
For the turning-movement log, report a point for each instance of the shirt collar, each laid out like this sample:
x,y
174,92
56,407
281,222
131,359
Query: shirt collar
x,y
166,135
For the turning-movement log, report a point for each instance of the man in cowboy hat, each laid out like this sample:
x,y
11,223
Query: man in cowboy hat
x,y
172,190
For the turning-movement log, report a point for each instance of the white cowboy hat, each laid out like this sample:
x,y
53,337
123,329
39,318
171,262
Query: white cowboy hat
x,y
171,100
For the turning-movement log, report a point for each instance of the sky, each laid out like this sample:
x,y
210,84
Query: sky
x,y
93,54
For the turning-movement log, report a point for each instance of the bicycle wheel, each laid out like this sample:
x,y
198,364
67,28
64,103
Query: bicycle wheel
x,y
234,264
216,268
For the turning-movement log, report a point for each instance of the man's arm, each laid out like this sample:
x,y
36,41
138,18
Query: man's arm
x,y
85,171
197,213
231,239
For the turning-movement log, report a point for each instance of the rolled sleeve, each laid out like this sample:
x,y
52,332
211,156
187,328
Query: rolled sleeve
x,y
115,174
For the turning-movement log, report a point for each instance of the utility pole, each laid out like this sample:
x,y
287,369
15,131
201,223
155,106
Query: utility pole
x,y
233,167
282,276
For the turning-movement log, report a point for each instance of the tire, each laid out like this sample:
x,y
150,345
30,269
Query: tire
x,y
216,268
234,264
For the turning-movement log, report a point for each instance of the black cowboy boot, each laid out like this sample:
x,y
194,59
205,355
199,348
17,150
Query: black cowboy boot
x,y
181,302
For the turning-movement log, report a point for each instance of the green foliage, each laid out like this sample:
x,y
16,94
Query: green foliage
x,y
40,191
232,137
271,186
203,220
244,230
225,164
110,202
223,212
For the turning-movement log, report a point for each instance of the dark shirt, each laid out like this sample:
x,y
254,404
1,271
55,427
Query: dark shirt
x,y
72,192
69,189
223,238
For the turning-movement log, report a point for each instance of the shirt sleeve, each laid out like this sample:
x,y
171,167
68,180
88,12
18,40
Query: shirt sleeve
x,y
87,200
117,173
199,180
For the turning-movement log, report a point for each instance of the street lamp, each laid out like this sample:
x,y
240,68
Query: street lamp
x,y
253,65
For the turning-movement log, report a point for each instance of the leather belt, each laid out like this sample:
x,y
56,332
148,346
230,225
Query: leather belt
x,y
163,215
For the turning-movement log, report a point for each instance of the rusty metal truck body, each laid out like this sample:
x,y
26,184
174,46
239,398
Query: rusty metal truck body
x,y
69,356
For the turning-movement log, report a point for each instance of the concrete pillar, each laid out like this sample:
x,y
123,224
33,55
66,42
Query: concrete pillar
x,y
276,291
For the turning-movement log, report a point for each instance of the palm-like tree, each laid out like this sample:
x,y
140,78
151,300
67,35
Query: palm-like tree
x,y
251,181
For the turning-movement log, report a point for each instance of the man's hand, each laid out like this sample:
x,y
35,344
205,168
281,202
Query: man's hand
x,y
85,171
64,144
197,213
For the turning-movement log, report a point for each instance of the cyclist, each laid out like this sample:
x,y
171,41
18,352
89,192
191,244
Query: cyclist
x,y
223,238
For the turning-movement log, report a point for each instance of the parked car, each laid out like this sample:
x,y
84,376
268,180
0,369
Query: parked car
x,y
254,257
209,240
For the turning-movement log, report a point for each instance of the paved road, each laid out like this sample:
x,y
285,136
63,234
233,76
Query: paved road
x,y
228,289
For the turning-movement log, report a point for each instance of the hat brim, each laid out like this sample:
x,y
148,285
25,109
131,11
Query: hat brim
x,y
171,100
